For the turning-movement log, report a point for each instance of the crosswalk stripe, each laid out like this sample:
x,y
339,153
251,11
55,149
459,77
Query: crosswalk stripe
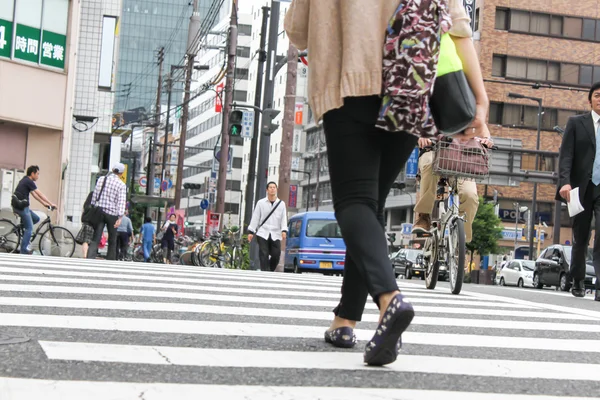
x,y
33,271
251,329
289,314
232,297
257,276
21,389
233,358
211,286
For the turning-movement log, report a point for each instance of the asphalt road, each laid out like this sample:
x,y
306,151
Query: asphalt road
x,y
108,330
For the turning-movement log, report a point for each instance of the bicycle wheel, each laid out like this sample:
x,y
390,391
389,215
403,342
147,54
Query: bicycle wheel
x,y
456,255
431,263
138,254
9,237
209,254
57,242
237,258
157,254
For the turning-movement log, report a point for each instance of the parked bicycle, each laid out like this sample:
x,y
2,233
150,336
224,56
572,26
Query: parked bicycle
x,y
54,240
445,244
222,250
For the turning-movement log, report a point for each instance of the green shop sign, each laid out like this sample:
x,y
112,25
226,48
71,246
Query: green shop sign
x,y
6,29
33,45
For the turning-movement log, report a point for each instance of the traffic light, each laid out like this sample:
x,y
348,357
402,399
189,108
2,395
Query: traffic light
x,y
268,127
235,122
192,186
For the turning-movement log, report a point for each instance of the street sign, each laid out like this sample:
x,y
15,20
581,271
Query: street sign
x,y
212,185
218,103
215,164
164,186
143,181
412,165
407,229
248,124
299,117
218,155
156,182
204,204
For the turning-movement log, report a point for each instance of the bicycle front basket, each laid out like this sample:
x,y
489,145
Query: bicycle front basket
x,y
465,160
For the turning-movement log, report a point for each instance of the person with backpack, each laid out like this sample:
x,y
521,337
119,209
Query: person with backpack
x,y
269,224
20,204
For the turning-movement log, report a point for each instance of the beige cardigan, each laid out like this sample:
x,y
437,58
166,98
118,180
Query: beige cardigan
x,y
345,42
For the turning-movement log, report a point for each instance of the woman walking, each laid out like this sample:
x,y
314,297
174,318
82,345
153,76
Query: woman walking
x,y
345,39
167,242
86,233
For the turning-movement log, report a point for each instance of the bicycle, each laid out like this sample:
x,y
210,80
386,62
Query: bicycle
x,y
445,245
221,250
54,240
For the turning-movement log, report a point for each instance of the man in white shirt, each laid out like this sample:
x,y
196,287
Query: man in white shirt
x,y
269,224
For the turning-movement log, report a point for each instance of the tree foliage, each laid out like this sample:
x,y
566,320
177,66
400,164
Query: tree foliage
x,y
487,230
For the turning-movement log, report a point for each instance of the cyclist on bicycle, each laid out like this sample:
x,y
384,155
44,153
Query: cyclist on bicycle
x,y
26,187
467,189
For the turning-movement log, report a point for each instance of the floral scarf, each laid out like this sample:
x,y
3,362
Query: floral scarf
x,y
410,57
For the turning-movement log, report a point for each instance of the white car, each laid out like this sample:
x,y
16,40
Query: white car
x,y
516,272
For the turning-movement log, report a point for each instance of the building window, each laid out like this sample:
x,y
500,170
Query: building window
x,y
241,73
244,30
572,27
240,95
502,19
243,51
525,116
544,70
237,162
537,23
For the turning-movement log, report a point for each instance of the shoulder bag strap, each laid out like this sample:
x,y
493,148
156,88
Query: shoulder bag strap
x,y
268,216
102,190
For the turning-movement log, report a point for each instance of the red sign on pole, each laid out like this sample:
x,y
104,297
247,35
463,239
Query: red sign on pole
x,y
304,60
299,116
293,201
218,102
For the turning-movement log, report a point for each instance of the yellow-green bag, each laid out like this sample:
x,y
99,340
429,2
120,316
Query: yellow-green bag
x,y
452,103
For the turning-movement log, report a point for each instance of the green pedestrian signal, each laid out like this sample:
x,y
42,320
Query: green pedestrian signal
x,y
235,122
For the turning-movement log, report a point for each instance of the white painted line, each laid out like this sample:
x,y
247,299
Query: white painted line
x,y
221,288
505,313
28,389
288,314
505,299
213,297
345,361
219,328
186,271
199,280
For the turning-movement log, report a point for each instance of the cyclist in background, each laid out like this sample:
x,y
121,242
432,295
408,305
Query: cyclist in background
x,y
467,189
26,187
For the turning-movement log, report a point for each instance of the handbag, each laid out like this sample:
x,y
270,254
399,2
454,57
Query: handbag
x,y
452,103
92,214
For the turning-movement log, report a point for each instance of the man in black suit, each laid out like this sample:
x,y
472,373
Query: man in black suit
x,y
579,166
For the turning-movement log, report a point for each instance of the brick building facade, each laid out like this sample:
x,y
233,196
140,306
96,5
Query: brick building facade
x,y
548,44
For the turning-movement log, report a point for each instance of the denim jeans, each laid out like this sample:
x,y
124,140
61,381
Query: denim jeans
x,y
28,220
147,249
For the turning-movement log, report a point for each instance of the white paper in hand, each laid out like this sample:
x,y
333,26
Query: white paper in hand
x,y
574,205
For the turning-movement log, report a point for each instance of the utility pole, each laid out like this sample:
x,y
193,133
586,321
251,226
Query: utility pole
x,y
265,141
262,57
192,50
152,149
288,123
227,99
163,176
318,170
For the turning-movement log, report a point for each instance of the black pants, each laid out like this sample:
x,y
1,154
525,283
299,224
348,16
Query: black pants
x,y
581,235
363,164
122,245
108,221
266,248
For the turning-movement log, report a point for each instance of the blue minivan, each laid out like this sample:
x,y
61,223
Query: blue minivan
x,y
315,244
